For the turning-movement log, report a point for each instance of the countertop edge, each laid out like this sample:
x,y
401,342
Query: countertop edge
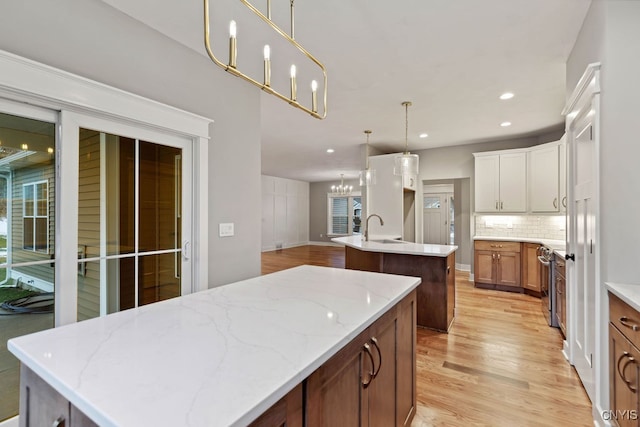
x,y
622,291
403,248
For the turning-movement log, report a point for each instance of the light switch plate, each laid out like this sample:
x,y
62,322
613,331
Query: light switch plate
x,y
225,229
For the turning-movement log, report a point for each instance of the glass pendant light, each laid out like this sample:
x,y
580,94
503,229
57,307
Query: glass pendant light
x,y
368,175
407,163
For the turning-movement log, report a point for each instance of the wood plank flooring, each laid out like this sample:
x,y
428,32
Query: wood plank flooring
x,y
499,365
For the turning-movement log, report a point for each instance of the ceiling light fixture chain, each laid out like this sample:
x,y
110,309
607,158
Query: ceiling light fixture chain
x,y
406,104
232,67
407,163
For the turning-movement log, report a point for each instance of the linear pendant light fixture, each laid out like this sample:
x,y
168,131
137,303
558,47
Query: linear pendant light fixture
x,y
265,85
368,175
407,163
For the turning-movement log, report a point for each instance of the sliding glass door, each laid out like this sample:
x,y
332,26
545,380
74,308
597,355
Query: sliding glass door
x,y
27,240
133,242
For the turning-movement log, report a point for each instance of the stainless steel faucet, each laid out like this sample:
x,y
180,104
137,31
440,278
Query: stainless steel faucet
x,y
366,226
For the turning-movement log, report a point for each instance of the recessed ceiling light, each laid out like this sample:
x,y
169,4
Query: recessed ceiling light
x,y
506,95
330,150
424,135
505,124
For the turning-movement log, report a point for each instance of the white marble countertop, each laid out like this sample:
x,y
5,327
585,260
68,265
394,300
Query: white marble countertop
x,y
219,357
626,292
552,244
375,244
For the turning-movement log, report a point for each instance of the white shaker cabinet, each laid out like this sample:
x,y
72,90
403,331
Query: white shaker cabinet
x,y
501,182
544,178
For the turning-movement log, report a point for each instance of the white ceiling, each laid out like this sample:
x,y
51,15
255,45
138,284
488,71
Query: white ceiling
x,y
451,58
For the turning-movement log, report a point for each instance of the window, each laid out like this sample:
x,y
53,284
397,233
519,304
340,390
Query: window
x,y
35,216
344,214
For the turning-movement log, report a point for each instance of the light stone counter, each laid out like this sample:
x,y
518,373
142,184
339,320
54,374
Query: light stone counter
x,y
626,292
220,357
395,246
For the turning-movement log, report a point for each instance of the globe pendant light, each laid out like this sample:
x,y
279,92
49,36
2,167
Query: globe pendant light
x,y
407,163
368,175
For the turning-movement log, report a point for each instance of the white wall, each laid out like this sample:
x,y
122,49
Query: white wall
x,y
93,40
285,213
610,35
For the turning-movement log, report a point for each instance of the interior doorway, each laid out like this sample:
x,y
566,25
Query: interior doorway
x,y
438,214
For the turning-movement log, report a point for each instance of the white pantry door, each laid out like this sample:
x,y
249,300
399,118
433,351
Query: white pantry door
x,y
583,246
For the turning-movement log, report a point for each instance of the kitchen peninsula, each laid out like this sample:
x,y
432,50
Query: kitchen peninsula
x,y
435,264
304,342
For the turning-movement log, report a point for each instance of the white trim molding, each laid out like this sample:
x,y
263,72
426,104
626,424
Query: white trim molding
x,y
589,82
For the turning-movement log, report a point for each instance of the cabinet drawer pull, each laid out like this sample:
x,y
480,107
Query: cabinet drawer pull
x,y
60,422
625,321
498,257
367,381
622,356
624,377
375,343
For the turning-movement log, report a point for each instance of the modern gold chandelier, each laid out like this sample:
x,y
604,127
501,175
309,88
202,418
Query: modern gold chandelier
x,y
232,67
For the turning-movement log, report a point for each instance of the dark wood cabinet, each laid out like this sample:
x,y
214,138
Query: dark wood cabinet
x,y
624,370
41,405
436,292
497,265
371,381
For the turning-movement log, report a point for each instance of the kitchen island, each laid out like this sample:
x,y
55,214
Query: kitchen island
x,y
225,356
434,264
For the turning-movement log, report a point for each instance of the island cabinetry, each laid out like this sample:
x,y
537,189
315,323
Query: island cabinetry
x,y
531,268
41,405
371,381
497,265
287,412
624,371
436,292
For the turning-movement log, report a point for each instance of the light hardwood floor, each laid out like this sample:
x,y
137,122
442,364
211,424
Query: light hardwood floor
x,y
499,365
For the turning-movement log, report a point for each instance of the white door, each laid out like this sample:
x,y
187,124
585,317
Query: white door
x,y
436,208
583,246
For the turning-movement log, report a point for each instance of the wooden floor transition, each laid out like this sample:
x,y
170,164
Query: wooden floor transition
x,y
499,365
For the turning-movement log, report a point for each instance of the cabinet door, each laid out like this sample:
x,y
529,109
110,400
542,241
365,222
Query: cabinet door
x,y
544,179
530,267
508,268
40,404
406,361
484,266
623,378
513,182
487,181
335,393
409,182
562,174
382,390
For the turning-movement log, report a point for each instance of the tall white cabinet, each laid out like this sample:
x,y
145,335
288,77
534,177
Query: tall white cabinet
x,y
501,181
393,198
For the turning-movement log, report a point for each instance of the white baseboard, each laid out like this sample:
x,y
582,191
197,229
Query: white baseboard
x,y
11,422
463,267
284,246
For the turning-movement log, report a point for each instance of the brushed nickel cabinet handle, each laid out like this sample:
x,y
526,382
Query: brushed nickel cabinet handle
x,y
367,349
564,202
498,257
501,206
555,202
493,255
625,321
624,377
496,205
622,356
60,422
375,343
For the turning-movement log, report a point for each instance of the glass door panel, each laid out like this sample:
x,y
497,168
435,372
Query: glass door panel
x,y
27,240
130,223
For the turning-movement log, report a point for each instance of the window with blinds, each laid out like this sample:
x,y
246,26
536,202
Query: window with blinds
x,y
344,214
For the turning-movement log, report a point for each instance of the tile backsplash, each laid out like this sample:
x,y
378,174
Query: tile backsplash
x,y
544,227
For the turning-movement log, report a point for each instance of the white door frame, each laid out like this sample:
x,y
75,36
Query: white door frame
x,y
76,97
585,102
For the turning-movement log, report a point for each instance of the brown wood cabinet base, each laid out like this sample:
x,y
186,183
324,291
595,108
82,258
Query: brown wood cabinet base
x,y
436,293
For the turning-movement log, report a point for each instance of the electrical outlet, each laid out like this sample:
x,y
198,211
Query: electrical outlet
x,y
225,229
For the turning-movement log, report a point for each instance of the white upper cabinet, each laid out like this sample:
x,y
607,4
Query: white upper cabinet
x,y
409,182
563,174
501,182
544,178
